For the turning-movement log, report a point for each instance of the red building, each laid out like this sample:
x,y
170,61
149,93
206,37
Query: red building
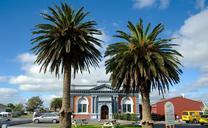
x,y
180,104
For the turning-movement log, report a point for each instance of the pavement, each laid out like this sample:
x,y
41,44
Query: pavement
x,y
16,121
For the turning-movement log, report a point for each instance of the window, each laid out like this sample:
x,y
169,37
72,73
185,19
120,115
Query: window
x,y
82,105
127,105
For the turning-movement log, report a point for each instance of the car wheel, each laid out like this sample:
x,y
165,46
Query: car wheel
x,y
54,121
36,121
201,123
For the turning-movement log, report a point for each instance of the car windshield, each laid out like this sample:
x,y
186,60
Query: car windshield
x,y
185,113
204,116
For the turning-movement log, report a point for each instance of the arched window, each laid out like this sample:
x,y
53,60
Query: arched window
x,y
82,105
127,105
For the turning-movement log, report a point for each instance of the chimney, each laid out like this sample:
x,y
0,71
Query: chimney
x,y
183,95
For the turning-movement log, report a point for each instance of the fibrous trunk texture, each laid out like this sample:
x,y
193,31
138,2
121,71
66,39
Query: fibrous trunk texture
x,y
65,113
146,110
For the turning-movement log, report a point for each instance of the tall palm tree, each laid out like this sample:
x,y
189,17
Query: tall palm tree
x,y
66,43
141,62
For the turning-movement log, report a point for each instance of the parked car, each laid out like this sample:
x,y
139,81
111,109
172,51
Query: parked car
x,y
191,116
5,116
47,117
203,119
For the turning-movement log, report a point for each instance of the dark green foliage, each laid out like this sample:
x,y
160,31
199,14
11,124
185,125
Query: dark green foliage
x,y
143,61
34,103
56,103
125,116
66,37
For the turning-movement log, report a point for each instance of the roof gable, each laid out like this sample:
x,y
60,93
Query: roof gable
x,y
175,98
103,87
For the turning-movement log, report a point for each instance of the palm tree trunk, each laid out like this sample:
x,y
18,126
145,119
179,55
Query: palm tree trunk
x,y
146,110
65,116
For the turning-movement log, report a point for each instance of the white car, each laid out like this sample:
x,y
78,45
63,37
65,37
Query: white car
x,y
47,117
5,116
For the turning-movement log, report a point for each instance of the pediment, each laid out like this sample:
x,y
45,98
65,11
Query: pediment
x,y
103,87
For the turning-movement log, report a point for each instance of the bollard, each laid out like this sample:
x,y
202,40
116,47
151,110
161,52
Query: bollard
x,y
4,126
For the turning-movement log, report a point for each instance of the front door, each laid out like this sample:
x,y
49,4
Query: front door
x,y
104,112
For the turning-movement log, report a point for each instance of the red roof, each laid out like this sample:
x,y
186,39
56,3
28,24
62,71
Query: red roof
x,y
168,99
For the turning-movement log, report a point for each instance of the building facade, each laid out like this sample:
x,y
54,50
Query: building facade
x,y
100,101
180,104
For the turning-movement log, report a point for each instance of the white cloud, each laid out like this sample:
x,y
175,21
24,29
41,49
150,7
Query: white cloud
x,y
194,40
48,98
94,76
164,4
2,78
139,4
9,95
200,4
161,4
34,81
104,37
26,58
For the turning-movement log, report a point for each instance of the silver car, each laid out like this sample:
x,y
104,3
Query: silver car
x,y
47,117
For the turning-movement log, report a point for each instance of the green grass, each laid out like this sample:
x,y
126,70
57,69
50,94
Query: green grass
x,y
99,126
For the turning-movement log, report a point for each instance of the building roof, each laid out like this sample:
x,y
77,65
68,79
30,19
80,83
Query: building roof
x,y
168,99
2,106
103,87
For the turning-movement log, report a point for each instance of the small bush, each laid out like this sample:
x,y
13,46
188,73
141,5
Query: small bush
x,y
125,116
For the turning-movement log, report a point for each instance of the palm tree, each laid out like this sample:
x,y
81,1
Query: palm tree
x,y
66,43
141,62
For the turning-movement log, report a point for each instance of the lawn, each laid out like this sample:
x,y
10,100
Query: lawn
x,y
99,126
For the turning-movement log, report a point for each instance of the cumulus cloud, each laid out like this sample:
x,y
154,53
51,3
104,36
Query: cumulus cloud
x,y
193,40
164,4
26,58
9,95
31,80
200,4
161,4
139,4
48,98
2,78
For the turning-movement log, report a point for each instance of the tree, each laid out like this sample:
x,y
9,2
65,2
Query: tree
x,y
66,42
205,109
141,62
11,106
56,103
34,103
19,108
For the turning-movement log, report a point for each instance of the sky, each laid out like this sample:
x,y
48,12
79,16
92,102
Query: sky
x,y
20,79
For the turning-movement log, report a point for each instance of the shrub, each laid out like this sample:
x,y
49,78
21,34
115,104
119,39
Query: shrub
x,y
125,116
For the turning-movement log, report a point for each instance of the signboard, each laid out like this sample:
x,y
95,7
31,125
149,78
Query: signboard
x,y
169,114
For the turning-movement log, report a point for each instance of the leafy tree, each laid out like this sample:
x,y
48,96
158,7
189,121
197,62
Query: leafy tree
x,y
34,103
142,62
66,43
56,103
205,109
11,106
19,107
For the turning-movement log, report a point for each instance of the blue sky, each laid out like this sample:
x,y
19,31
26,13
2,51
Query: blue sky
x,y
185,19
